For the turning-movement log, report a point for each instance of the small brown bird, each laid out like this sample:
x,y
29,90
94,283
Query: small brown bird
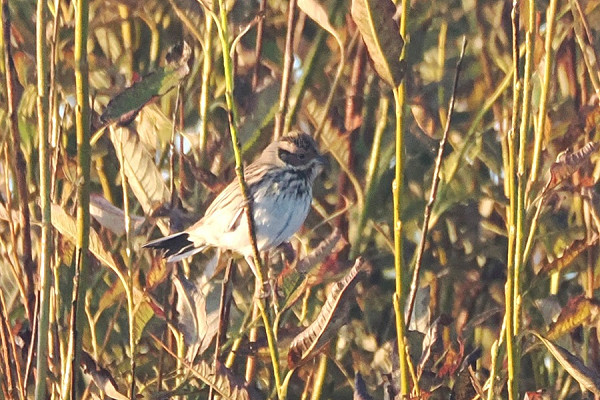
x,y
280,187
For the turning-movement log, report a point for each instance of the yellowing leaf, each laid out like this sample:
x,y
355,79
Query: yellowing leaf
x,y
143,176
317,13
374,19
66,225
577,311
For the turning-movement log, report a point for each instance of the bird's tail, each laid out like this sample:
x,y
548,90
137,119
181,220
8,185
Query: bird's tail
x,y
176,247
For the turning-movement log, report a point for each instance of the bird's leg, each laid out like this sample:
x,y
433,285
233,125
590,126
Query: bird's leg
x,y
263,288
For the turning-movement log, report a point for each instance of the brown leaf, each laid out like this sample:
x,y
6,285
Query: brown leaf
x,y
568,256
578,311
223,381
568,162
426,117
101,377
332,316
292,281
586,377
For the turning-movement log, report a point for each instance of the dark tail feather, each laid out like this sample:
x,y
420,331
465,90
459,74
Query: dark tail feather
x,y
176,246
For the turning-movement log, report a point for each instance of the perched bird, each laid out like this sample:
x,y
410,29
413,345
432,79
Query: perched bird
x,y
280,188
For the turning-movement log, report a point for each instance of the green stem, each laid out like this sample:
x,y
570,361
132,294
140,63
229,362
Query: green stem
x,y
129,265
239,169
82,124
299,88
541,122
397,188
521,171
398,184
206,72
46,251
512,218
371,171
319,379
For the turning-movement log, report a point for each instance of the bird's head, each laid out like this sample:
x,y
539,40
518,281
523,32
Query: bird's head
x,y
299,151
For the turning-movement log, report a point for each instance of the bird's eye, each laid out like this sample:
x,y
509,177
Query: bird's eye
x,y
301,156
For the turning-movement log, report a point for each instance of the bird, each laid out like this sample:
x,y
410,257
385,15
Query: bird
x,y
279,184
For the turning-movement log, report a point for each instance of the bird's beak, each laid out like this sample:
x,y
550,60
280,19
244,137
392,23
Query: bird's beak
x,y
322,163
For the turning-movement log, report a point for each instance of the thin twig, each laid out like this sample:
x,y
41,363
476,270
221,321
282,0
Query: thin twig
x,y
288,63
224,308
129,265
434,190
4,335
260,28
172,149
15,360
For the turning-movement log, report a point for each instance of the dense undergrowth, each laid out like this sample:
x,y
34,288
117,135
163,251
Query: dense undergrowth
x,y
143,110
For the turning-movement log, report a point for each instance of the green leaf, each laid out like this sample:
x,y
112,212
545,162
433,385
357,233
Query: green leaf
x,y
374,19
125,106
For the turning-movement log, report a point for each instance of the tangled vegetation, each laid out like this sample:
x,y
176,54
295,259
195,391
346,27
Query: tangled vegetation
x,y
451,250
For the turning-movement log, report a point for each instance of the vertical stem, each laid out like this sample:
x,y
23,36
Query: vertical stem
x,y
541,122
239,170
127,40
206,71
442,36
129,265
46,250
397,188
319,378
20,166
511,347
398,299
371,171
82,124
288,63
259,43
521,169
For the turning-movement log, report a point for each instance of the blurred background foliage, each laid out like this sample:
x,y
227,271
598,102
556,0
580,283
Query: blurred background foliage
x,y
176,156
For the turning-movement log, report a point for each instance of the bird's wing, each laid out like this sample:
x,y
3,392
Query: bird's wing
x,y
230,198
